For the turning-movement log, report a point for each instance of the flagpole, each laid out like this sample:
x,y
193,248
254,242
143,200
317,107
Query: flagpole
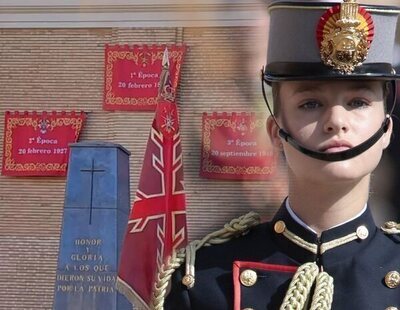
x,y
157,223
165,95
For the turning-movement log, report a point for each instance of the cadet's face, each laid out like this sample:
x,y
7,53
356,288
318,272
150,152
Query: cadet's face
x,y
332,117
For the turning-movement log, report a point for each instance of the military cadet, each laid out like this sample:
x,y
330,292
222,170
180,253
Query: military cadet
x,y
332,70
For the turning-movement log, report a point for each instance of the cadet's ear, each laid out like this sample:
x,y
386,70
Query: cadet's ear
x,y
388,134
273,133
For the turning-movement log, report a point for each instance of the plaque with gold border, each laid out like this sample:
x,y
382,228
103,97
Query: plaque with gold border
x,y
235,146
132,75
36,143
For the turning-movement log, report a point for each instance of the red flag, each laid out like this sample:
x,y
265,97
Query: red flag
x,y
157,223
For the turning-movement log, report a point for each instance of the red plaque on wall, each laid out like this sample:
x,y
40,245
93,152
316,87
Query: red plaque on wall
x,y
36,144
236,147
132,75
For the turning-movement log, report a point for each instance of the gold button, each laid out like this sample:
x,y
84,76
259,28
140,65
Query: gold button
x,y
362,232
392,279
188,280
248,277
279,227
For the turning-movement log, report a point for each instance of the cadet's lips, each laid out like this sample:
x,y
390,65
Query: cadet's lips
x,y
336,146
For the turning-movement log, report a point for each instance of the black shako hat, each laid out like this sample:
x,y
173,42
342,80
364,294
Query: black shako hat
x,y
330,40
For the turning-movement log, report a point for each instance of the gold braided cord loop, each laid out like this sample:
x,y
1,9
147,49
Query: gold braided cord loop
x,y
188,279
234,228
391,228
299,290
163,277
300,287
323,294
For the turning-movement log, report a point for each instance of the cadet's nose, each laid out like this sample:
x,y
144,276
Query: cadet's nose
x,y
335,119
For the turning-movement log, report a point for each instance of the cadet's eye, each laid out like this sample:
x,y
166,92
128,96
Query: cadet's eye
x,y
358,103
310,105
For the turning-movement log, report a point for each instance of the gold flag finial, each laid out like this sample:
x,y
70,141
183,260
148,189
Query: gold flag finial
x,y
165,90
164,72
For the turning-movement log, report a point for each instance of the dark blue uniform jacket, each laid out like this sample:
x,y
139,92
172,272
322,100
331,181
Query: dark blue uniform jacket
x,y
358,268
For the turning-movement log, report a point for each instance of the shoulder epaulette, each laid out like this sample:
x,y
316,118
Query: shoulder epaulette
x,y
391,228
235,228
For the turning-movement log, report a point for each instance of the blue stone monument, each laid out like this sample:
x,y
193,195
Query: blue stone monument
x,y
96,211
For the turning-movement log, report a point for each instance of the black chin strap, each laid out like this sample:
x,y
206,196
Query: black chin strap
x,y
337,156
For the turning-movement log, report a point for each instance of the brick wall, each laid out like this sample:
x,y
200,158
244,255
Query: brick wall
x,y
62,69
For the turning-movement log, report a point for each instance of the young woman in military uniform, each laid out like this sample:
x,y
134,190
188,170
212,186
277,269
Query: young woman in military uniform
x,y
332,70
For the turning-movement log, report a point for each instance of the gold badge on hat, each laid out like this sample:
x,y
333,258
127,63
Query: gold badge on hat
x,y
344,35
